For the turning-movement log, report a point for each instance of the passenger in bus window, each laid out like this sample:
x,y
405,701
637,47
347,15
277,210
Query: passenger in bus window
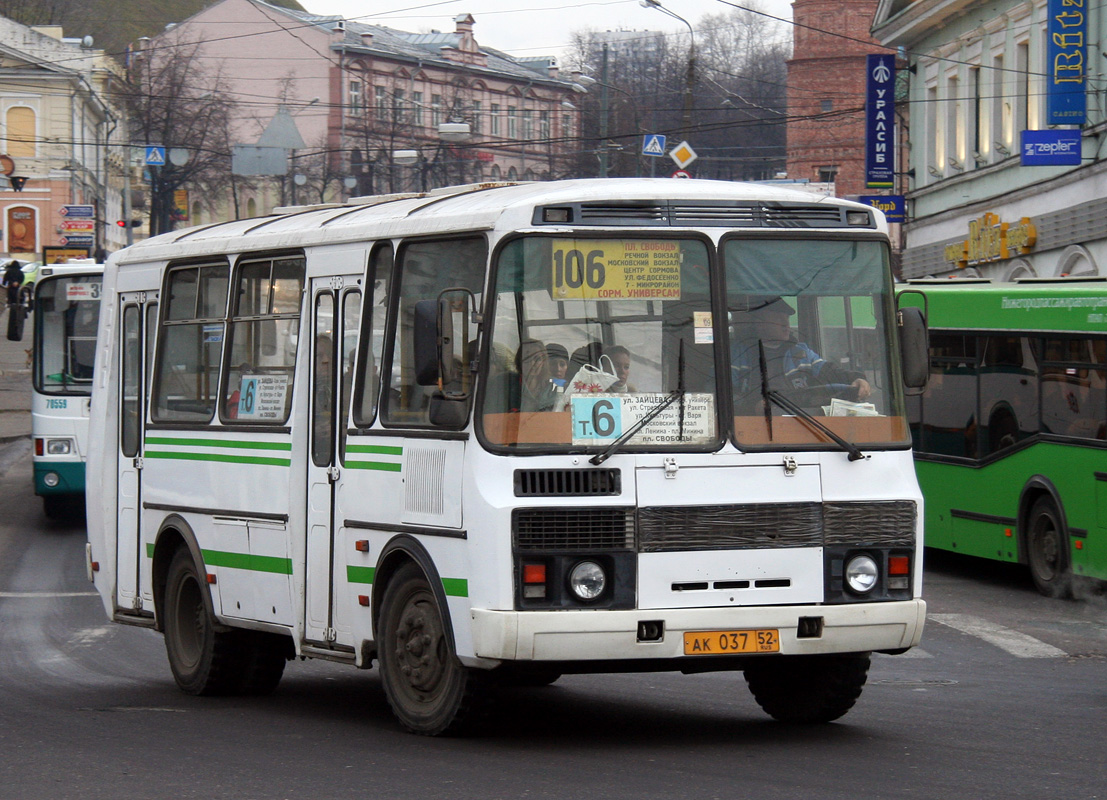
x,y
558,358
533,363
790,363
620,359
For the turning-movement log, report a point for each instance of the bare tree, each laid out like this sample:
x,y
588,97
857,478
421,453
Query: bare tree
x,y
176,103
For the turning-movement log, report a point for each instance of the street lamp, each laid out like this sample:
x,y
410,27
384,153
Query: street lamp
x,y
690,77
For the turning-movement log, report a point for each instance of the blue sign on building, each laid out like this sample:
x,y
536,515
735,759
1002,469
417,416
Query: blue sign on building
x,y
892,205
1057,148
1066,62
880,84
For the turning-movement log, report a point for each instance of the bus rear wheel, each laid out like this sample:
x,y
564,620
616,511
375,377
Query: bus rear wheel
x,y
1047,550
429,690
808,689
208,661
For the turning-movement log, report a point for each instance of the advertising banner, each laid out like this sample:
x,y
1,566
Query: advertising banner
x,y
1066,57
1057,148
892,205
880,83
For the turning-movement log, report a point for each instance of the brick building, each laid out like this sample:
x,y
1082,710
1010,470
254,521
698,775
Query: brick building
x,y
826,92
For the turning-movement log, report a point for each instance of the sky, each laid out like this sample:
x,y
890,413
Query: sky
x,y
534,27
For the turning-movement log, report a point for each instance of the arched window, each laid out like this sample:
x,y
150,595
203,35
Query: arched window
x,y
495,172
20,126
251,207
512,174
1019,268
1076,260
195,220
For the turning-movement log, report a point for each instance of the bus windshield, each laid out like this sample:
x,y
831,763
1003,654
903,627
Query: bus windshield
x,y
590,335
810,342
67,312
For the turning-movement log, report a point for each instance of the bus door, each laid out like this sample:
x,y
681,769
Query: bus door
x,y
336,308
138,321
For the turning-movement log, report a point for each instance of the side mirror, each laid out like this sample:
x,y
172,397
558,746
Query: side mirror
x,y
914,348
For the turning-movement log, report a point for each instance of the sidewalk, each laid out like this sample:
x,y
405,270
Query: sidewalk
x,y
15,383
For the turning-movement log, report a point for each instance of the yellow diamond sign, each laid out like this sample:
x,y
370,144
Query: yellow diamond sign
x,y
683,154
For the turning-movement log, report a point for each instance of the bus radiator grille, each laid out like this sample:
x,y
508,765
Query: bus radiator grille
x,y
881,524
578,529
567,482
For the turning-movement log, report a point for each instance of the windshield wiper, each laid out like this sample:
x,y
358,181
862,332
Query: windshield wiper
x,y
854,453
614,447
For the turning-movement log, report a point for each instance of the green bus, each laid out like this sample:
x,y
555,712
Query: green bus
x,y
1010,433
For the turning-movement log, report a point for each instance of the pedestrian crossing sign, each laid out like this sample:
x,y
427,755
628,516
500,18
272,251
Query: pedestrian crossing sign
x,y
653,144
155,156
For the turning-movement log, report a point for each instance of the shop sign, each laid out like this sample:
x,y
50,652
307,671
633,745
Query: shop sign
x,y
1056,148
991,240
1066,67
880,86
892,205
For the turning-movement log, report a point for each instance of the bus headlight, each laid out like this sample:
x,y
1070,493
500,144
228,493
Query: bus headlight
x,y
58,447
861,574
587,580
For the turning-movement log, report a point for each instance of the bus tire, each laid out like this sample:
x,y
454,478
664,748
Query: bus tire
x,y
204,661
808,689
53,506
263,657
429,690
1047,549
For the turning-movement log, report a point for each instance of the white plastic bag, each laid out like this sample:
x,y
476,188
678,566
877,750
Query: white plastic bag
x,y
589,379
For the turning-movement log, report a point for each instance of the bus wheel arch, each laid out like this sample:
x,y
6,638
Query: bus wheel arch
x,y
1044,538
173,534
401,550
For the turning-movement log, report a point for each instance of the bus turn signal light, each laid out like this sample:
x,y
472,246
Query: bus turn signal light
x,y
899,565
534,580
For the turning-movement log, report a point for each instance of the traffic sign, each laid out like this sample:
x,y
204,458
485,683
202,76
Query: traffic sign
x,y
681,174
155,156
683,155
77,211
77,239
653,144
78,225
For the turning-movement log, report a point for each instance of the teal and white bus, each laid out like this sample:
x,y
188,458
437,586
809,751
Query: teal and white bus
x,y
66,316
1011,432
499,433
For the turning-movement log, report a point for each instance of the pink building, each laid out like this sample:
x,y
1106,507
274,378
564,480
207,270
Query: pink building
x,y
382,110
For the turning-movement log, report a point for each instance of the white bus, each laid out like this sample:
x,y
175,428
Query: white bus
x,y
67,313
344,432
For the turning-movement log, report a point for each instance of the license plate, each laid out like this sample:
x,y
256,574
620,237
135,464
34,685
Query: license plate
x,y
724,643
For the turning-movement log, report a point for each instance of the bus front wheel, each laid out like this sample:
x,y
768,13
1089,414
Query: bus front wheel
x,y
808,689
1047,549
429,690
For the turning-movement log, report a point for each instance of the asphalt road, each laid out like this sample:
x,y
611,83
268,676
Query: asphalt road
x,y
1006,698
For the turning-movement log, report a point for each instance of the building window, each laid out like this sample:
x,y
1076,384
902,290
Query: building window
x,y
355,98
1022,78
417,109
475,126
827,174
398,105
21,132
436,110
512,124
381,103
826,106
977,122
494,118
528,124
544,124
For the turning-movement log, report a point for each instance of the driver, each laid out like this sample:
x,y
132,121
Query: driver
x,y
789,363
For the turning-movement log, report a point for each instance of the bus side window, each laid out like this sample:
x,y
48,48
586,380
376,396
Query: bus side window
x,y
426,268
191,343
262,342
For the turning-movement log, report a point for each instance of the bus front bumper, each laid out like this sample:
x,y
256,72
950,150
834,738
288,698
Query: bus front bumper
x,y
613,635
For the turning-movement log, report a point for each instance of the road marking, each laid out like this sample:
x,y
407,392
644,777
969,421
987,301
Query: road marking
x,y
49,594
1015,643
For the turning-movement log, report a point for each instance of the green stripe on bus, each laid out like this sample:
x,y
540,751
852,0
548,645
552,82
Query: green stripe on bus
x,y
247,561
231,443
360,574
377,449
384,466
231,459
456,587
